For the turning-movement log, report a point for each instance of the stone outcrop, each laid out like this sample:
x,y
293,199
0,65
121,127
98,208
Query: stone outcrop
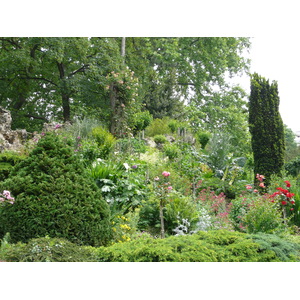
x,y
10,139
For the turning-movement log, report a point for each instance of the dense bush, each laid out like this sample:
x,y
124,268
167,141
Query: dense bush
x,y
142,120
263,216
46,250
160,139
7,160
293,167
203,138
171,151
157,127
212,246
105,141
55,196
285,249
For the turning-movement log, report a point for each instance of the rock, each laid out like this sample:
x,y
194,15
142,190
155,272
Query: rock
x,y
10,139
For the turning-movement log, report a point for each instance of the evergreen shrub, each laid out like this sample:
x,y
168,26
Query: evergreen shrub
x,y
105,141
7,160
54,196
203,138
212,246
285,249
266,128
47,249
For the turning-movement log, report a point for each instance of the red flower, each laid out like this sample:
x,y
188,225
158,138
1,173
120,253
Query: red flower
x,y
292,208
293,202
283,202
282,190
290,195
287,183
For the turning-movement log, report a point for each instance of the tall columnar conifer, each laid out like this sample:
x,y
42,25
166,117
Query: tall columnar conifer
x,y
266,127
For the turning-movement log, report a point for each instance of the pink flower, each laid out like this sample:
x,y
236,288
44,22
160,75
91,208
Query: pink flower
x,y
248,187
156,178
260,177
165,173
255,191
169,188
262,185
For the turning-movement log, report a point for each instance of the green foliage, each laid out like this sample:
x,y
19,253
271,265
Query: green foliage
x,y
212,246
203,138
121,186
180,208
174,125
130,146
142,120
160,139
55,196
82,127
149,216
238,209
157,127
263,216
293,167
105,141
7,160
266,128
47,249
292,150
171,151
286,249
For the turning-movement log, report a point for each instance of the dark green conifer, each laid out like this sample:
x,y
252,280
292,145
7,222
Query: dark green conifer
x,y
266,127
55,197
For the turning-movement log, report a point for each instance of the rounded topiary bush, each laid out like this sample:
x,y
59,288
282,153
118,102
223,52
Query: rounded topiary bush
x,y
54,196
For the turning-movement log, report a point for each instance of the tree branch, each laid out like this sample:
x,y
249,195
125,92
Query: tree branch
x,y
35,117
82,69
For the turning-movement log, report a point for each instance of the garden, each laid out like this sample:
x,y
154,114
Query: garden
x,y
78,194
124,170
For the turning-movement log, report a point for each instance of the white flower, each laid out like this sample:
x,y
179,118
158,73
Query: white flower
x,y
126,166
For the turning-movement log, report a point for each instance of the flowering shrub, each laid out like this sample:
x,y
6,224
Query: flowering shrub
x,y
263,216
123,87
216,206
121,229
284,198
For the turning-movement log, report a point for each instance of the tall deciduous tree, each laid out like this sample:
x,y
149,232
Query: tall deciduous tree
x,y
266,127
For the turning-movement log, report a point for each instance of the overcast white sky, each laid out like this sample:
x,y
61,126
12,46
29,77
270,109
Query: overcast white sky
x,y
278,58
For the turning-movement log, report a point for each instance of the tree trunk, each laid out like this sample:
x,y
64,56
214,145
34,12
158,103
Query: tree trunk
x,y
162,224
66,107
123,48
113,100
